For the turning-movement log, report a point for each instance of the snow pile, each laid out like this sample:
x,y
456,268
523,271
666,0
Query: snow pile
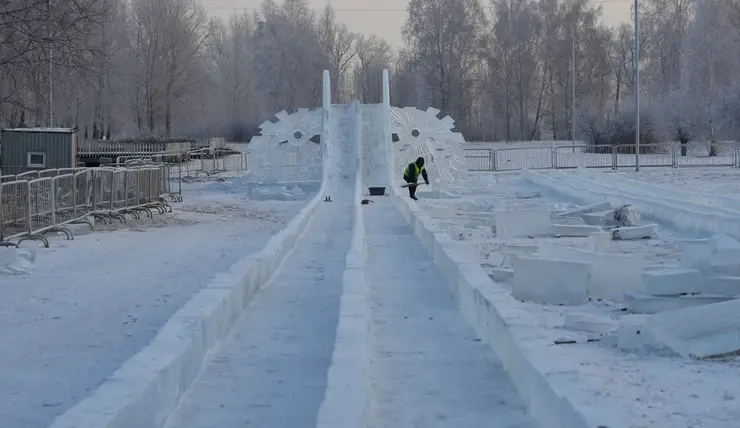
x,y
278,193
563,206
626,215
15,261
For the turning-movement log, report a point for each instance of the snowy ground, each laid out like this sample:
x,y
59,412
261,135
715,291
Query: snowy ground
x,y
484,192
721,181
88,305
655,387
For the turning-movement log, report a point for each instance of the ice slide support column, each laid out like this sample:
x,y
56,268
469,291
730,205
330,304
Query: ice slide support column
x,y
325,127
387,138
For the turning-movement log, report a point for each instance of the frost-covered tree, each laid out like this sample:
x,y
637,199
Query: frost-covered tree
x,y
373,55
710,64
446,38
339,49
162,67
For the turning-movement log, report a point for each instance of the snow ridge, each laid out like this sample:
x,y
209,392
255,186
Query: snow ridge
x,y
345,400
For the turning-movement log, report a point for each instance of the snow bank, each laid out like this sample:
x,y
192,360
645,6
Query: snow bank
x,y
656,202
145,390
267,191
491,310
346,397
710,199
15,261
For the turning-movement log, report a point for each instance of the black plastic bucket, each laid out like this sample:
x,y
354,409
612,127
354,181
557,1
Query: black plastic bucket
x,y
376,191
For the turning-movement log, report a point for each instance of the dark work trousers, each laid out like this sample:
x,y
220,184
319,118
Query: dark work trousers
x,y
412,189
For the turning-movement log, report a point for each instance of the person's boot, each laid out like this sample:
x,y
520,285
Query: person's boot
x,y
415,198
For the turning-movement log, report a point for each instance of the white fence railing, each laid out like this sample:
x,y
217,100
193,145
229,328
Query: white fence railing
x,y
38,202
602,156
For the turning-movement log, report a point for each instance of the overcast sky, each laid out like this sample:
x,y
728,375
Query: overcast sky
x,y
384,17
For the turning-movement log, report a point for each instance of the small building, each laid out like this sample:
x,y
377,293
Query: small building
x,y
29,149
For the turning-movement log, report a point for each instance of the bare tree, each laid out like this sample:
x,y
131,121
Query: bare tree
x,y
339,47
373,55
447,38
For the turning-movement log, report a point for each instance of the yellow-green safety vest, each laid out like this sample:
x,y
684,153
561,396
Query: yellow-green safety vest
x,y
416,167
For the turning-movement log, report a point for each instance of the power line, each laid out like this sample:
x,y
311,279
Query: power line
x,y
370,10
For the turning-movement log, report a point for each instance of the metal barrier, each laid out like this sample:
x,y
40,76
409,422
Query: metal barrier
x,y
603,156
479,160
188,167
35,203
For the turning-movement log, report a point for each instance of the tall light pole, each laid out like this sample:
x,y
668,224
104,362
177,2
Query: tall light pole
x,y
51,82
637,90
573,84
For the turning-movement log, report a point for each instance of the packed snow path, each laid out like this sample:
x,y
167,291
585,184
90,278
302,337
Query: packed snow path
x,y
427,367
92,303
271,370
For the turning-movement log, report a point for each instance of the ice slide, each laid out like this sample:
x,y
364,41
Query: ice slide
x,y
271,371
425,366
355,327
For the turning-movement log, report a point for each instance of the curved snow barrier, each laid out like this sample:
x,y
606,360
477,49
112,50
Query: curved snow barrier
x,y
624,183
655,202
346,394
491,310
145,390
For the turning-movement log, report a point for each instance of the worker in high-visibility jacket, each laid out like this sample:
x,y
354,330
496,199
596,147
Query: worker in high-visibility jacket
x,y
411,176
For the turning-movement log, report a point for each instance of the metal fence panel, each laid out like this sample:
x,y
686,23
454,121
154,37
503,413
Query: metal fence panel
x,y
596,156
83,189
28,175
604,156
36,202
651,155
512,159
42,210
66,200
14,208
118,190
695,155
479,159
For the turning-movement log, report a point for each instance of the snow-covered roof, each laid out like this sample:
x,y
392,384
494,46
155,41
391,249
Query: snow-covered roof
x,y
57,130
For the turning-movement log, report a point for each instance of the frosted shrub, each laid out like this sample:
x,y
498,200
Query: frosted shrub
x,y
619,130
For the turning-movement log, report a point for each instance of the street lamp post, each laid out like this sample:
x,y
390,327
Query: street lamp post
x,y
573,85
51,82
637,90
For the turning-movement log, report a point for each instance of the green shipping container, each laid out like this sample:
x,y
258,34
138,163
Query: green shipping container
x,y
29,149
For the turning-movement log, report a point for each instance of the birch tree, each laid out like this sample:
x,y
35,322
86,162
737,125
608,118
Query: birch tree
x,y
447,38
373,55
